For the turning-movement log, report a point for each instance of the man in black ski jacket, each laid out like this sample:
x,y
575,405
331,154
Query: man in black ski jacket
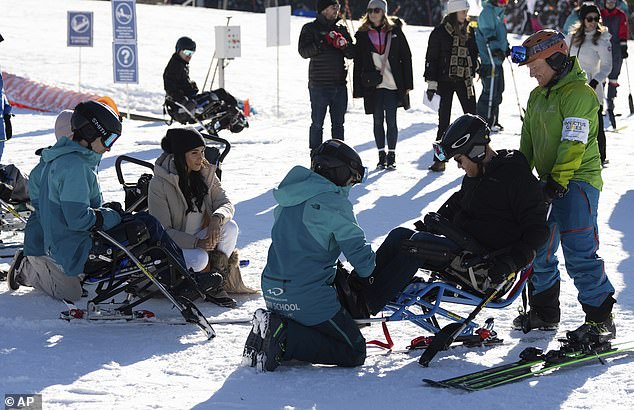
x,y
326,42
499,206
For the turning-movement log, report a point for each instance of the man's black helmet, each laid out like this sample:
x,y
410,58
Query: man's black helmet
x,y
185,43
468,135
92,120
338,162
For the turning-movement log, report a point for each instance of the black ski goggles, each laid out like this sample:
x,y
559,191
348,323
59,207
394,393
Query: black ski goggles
x,y
439,151
109,141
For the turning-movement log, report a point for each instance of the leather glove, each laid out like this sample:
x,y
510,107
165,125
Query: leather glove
x,y
552,190
5,191
335,39
8,128
624,51
115,206
497,53
508,51
430,94
593,83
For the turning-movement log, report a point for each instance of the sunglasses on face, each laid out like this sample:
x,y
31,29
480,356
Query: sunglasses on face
x,y
109,141
188,53
592,19
375,10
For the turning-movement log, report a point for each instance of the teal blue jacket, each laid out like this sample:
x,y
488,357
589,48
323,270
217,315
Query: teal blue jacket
x,y
314,223
68,195
492,32
33,234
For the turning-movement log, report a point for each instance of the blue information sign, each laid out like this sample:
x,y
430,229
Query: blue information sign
x,y
124,20
126,67
79,29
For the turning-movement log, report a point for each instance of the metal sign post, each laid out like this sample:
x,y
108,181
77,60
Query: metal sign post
x,y
124,45
79,34
278,33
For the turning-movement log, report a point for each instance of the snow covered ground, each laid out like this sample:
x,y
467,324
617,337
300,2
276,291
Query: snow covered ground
x,y
120,365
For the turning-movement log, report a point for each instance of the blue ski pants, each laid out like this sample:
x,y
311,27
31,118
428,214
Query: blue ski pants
x,y
573,224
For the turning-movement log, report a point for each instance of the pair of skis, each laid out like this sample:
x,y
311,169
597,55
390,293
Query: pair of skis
x,y
533,362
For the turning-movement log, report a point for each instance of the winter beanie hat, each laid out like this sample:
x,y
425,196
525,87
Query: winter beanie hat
x,y
381,4
587,9
454,6
181,140
324,4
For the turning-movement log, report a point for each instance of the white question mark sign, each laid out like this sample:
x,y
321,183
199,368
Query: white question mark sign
x,y
125,53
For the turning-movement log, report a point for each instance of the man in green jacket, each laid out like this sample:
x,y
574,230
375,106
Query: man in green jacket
x,y
559,139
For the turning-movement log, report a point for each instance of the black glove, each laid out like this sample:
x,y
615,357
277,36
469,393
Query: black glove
x,y
420,226
115,206
497,53
624,51
8,128
508,51
430,94
499,269
552,190
5,191
593,83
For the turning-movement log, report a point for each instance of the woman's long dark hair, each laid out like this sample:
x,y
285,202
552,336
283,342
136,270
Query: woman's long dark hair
x,y
461,29
192,184
579,33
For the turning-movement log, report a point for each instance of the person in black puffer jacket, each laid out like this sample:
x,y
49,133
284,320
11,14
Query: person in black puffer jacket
x,y
451,64
499,206
326,42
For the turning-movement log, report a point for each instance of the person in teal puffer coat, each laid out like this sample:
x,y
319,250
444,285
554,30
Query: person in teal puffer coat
x,y
559,139
308,319
314,224
68,203
493,48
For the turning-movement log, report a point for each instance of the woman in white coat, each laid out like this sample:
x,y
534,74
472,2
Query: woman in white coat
x,y
590,42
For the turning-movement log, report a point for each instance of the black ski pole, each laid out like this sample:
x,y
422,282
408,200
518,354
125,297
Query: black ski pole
x,y
445,337
517,96
629,89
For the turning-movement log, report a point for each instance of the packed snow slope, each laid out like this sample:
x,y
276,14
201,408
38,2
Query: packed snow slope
x,y
82,365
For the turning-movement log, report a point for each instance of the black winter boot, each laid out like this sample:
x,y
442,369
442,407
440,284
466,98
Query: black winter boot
x,y
599,325
273,331
437,166
544,311
381,164
391,160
